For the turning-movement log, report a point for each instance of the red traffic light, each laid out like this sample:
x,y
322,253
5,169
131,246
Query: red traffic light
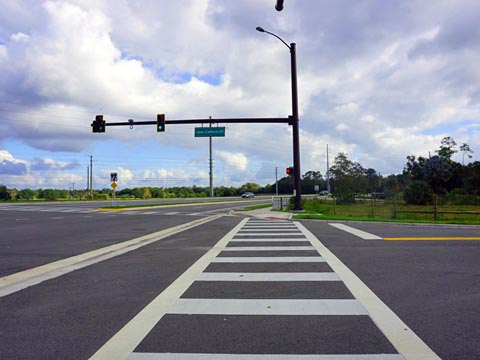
x,y
289,170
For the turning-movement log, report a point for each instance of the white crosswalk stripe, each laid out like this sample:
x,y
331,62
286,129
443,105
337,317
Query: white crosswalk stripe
x,y
175,301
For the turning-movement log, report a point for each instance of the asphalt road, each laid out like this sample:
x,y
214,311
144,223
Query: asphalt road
x,y
432,286
39,233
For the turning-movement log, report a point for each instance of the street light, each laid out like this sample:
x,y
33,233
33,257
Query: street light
x,y
296,138
279,5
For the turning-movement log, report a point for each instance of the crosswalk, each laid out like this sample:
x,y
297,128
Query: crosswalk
x,y
259,295
59,209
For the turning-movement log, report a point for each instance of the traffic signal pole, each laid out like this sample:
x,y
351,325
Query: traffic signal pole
x,y
297,205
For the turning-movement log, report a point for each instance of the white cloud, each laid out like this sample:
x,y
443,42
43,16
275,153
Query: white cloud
x,y
377,87
237,161
20,37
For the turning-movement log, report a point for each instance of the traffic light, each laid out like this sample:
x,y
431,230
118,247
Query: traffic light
x,y
289,170
98,126
160,122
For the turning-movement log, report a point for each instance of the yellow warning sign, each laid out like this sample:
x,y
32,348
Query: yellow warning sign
x,y
114,185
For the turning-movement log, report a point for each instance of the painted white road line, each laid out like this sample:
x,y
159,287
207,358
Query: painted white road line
x,y
268,239
283,227
122,344
189,356
268,248
397,332
24,279
150,212
268,234
269,259
315,276
270,226
275,230
361,234
268,307
251,221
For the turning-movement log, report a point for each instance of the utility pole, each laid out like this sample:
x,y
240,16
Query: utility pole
x,y
276,180
328,173
211,164
88,179
91,171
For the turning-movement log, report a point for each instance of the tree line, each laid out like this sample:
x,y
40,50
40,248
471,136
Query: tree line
x,y
419,181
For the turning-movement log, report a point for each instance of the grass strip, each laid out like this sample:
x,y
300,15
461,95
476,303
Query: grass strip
x,y
353,218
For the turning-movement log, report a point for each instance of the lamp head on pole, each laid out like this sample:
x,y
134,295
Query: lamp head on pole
x,y
279,5
260,29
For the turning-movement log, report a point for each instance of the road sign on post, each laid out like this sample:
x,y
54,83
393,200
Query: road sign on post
x,y
210,131
114,179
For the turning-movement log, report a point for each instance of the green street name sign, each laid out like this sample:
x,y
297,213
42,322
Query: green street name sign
x,y
209,131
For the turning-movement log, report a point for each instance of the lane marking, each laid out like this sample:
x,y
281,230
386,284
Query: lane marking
x,y
454,238
283,227
284,221
188,356
397,332
276,230
24,279
306,276
57,218
269,259
302,239
361,234
268,248
127,339
268,307
22,219
269,234
269,226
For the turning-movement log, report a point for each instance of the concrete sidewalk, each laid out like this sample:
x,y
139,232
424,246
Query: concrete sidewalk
x,y
265,213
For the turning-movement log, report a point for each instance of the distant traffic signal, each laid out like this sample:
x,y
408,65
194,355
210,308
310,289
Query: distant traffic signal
x,y
160,122
98,126
289,170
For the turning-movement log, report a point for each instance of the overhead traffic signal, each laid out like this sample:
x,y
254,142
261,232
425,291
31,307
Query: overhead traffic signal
x,y
160,122
98,126
289,170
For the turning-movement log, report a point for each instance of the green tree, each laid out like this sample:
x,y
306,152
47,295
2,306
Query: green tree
x,y
437,172
347,177
4,195
413,169
146,194
447,148
252,187
465,149
12,194
26,194
418,193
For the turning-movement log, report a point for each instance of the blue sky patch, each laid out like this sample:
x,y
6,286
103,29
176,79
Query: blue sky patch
x,y
448,128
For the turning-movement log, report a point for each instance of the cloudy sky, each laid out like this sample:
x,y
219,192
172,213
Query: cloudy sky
x,y
378,80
